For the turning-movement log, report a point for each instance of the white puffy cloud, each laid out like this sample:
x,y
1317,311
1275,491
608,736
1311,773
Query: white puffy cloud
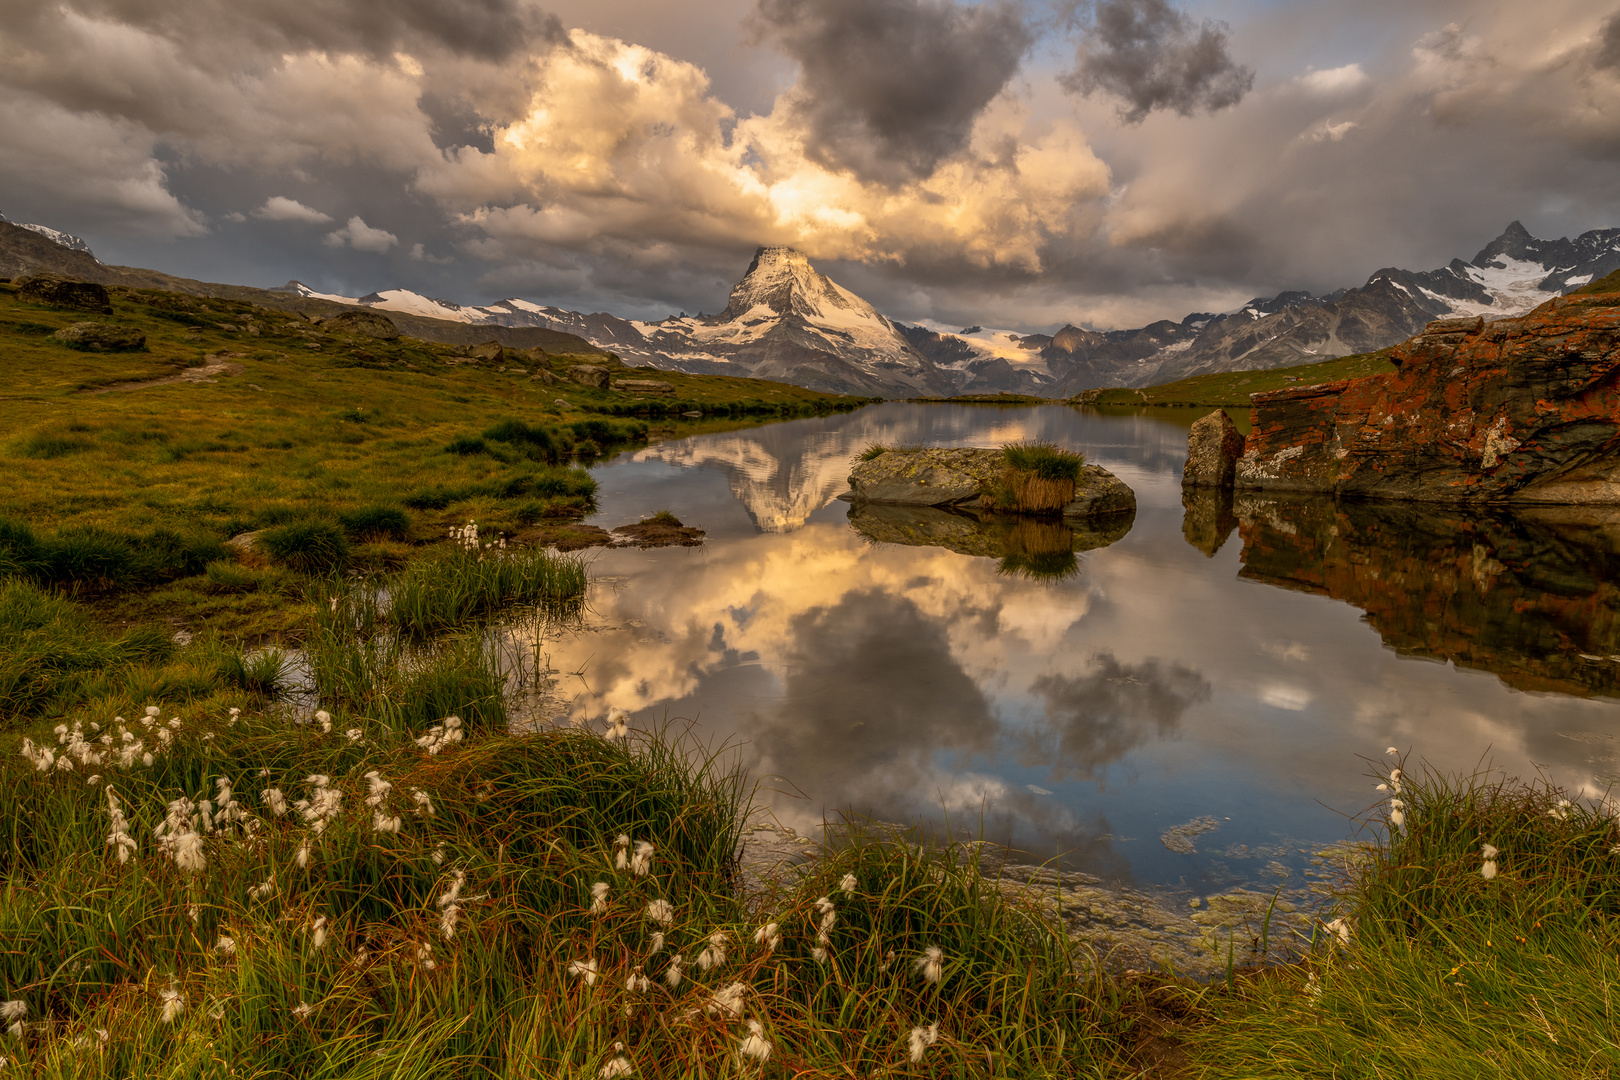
x,y
620,143
362,237
1334,82
281,208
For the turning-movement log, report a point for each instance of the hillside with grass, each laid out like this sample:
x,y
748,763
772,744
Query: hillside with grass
x,y
133,460
1231,389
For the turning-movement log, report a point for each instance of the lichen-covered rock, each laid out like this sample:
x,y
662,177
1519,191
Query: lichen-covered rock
x,y
589,375
956,476
58,291
370,323
1100,492
1524,410
1214,446
101,337
929,476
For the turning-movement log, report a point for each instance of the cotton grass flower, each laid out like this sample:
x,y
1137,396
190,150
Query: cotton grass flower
x,y
225,946
302,1010
848,885
301,856
317,934
618,1066
1392,751
584,969
657,938
672,975
448,919
1340,929
274,800
174,1003
636,982
13,1010
661,912
324,718
423,803
621,852
727,1002
754,1044
931,964
1560,812
828,918
641,861
715,954
769,935
921,1038
264,889
1487,869
617,725
599,895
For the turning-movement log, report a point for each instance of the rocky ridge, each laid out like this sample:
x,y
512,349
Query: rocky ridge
x,y
1524,410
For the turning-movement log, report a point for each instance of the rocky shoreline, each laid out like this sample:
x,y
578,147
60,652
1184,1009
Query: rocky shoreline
x,y
1128,929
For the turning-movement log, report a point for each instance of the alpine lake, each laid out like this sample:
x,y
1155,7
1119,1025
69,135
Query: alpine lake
x,y
1173,725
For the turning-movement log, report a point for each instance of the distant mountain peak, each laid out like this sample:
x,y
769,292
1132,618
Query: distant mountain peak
x,y
56,236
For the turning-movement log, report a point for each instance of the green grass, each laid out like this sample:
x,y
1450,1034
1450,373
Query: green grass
x,y
456,587
1045,460
52,655
444,946
309,547
1232,388
1448,974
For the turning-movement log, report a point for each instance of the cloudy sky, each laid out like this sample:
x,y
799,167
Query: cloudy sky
x,y
1016,163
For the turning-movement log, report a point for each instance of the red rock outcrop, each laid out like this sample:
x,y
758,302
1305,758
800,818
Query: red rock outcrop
x,y
1522,410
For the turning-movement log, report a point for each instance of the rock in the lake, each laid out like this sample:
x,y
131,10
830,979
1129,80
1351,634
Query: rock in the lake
x,y
957,476
645,386
370,323
58,291
930,476
101,337
589,375
1214,446
984,535
1522,410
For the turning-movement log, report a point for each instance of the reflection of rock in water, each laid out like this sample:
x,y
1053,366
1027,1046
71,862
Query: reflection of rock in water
x,y
1041,544
1207,518
1532,595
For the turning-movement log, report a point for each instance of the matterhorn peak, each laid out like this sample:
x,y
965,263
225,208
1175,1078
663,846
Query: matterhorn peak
x,y
781,281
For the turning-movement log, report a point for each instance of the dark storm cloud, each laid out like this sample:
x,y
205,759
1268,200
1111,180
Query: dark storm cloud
x,y
1152,56
487,29
1609,44
1095,719
892,87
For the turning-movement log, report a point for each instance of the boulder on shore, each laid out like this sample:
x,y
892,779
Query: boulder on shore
x,y
58,291
1523,410
646,386
957,477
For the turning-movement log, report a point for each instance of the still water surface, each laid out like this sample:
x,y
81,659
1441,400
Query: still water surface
x,y
1181,672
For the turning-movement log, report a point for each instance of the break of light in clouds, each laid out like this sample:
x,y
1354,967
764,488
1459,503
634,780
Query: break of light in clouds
x,y
1016,164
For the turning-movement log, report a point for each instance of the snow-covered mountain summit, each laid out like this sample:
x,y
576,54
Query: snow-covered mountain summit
x,y
57,236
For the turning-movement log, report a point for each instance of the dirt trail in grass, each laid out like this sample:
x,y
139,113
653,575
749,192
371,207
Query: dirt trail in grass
x,y
214,364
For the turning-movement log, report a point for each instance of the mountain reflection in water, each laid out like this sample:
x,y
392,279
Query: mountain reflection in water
x,y
1082,715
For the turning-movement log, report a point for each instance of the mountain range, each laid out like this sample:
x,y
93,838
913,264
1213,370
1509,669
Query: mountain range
x,y
785,320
